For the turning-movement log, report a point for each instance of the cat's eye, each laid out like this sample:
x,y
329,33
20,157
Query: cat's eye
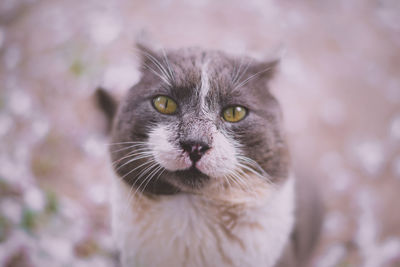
x,y
164,105
234,113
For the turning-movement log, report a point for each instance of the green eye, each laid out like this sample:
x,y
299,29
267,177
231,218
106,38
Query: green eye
x,y
234,113
164,105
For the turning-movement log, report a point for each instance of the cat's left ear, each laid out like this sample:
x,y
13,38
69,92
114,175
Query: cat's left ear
x,y
107,104
264,70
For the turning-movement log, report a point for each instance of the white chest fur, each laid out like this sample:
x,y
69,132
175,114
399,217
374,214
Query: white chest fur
x,y
189,230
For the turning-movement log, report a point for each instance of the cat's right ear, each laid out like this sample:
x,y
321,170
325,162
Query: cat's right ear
x,y
156,63
107,104
148,57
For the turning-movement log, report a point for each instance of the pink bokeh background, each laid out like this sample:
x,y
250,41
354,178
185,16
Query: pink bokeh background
x,y
339,85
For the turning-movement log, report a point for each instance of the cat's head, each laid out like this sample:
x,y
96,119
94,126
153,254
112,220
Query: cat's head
x,y
198,118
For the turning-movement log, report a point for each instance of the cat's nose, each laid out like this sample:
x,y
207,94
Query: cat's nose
x,y
195,149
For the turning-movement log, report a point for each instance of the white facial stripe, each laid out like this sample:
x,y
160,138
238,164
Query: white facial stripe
x,y
165,154
205,85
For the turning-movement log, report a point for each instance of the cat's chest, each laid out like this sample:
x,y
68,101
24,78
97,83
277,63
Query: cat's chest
x,y
187,230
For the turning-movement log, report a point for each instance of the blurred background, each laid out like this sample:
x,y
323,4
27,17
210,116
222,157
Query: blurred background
x,y
339,84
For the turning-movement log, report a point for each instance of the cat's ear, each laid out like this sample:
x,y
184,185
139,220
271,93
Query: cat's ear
x,y
148,57
263,70
155,63
107,104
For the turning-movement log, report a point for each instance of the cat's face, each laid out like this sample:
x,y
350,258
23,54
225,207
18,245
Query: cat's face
x,y
198,118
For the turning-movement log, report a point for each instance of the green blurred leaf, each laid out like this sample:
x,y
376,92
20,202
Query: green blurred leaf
x,y
51,203
29,219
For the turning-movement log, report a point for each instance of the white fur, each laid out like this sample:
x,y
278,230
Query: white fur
x,y
205,87
164,152
180,230
220,160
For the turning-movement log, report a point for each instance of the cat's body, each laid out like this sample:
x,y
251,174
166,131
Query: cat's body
x,y
190,230
202,167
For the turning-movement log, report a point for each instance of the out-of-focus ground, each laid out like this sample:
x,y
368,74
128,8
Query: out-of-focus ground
x,y
339,85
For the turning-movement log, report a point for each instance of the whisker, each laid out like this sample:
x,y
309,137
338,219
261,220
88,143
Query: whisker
x,y
265,177
241,74
243,166
128,142
150,168
164,79
128,147
147,162
227,180
130,195
157,63
249,188
251,77
234,78
170,70
133,154
253,163
163,75
151,175
233,179
158,177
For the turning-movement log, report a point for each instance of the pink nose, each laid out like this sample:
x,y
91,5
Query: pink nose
x,y
195,149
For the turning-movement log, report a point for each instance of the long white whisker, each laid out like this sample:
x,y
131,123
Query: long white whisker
x,y
130,195
233,179
243,166
147,162
227,180
131,158
251,77
150,168
163,170
140,156
128,142
157,63
163,78
127,147
238,181
151,175
251,162
241,74
164,73
133,153
170,70
239,177
234,78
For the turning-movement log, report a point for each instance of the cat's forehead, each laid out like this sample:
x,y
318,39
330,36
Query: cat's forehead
x,y
193,75
194,66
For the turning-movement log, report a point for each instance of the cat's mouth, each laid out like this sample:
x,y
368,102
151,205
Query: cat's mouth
x,y
190,178
192,172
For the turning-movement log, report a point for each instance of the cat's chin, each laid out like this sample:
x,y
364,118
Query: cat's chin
x,y
191,173
191,179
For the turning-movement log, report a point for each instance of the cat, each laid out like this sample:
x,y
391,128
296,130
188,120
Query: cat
x,y
203,174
